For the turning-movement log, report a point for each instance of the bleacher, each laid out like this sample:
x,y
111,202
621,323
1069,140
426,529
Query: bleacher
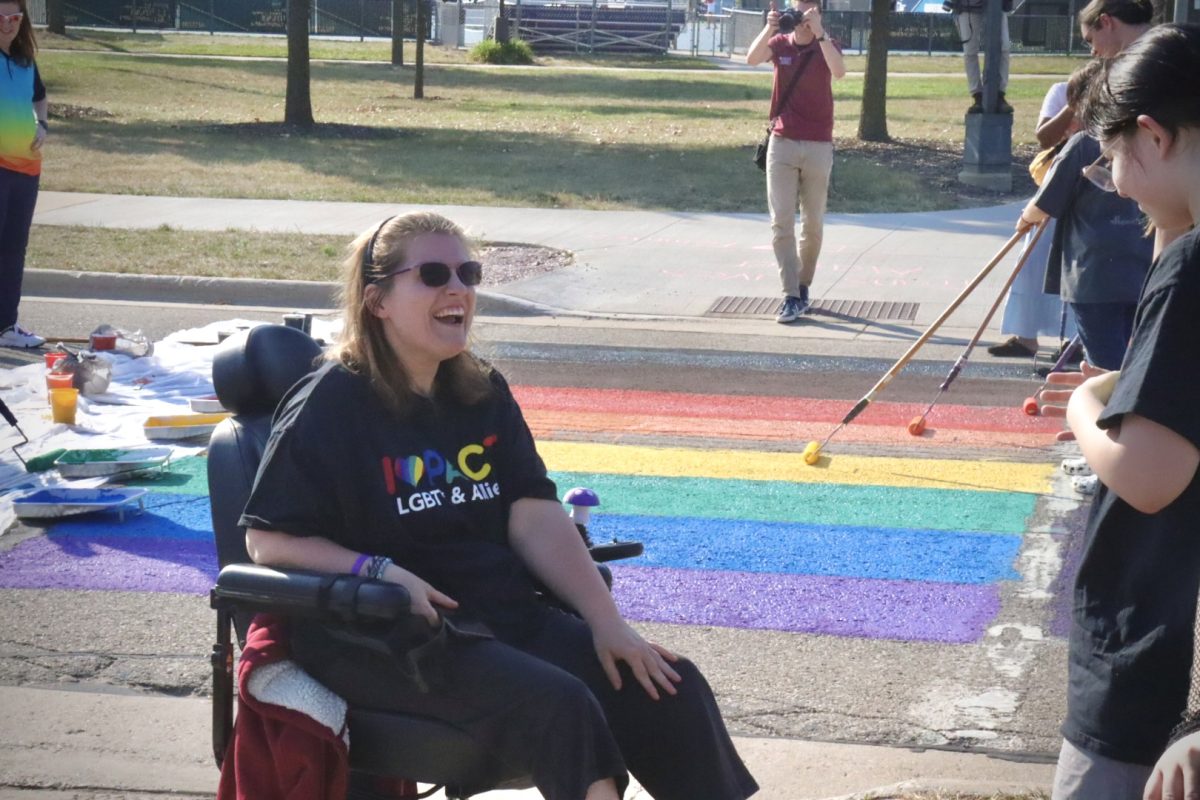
x,y
588,28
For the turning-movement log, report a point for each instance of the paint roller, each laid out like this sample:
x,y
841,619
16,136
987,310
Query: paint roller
x,y
917,426
812,451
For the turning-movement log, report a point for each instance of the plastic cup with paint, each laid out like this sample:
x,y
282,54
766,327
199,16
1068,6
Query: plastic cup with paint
x,y
60,380
62,405
53,357
103,341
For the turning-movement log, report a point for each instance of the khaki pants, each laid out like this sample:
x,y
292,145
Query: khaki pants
x,y
1081,775
800,171
970,26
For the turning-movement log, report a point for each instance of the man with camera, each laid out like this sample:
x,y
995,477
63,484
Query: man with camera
x,y
800,152
969,20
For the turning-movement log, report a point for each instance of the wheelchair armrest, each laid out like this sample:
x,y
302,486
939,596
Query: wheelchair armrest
x,y
614,551
314,595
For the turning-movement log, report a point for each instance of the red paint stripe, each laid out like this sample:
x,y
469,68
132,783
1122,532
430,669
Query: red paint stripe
x,y
632,403
619,428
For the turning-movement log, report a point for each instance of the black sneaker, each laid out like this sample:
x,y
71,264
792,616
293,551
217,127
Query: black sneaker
x,y
805,303
790,311
1002,105
1013,348
977,106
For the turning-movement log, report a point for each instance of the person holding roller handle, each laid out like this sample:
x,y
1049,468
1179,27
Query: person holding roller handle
x,y
800,153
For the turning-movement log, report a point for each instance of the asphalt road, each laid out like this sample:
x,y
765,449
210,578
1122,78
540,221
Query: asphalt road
x,y
1001,693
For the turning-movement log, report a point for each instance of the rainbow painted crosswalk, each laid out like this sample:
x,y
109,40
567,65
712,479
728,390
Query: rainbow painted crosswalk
x,y
740,536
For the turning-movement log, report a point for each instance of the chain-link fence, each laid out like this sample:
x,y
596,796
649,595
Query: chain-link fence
x,y
653,27
360,18
921,33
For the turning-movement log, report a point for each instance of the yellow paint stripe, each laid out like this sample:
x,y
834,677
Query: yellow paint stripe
x,y
988,476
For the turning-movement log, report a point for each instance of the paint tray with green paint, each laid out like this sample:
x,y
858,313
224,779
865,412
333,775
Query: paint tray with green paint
x,y
111,462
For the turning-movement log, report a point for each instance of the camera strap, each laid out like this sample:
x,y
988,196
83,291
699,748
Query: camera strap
x,y
783,98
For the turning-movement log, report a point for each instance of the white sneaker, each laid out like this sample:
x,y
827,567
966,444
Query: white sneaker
x,y
1076,466
1085,484
16,336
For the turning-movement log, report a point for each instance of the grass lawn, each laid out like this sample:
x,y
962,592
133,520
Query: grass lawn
x,y
545,137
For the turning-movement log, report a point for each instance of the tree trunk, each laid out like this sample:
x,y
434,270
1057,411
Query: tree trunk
x,y
872,124
56,17
398,33
419,80
298,108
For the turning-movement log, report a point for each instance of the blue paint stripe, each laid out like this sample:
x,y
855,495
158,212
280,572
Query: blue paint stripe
x,y
167,516
796,549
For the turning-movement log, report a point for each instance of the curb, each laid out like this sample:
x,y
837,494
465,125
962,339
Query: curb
x,y
261,293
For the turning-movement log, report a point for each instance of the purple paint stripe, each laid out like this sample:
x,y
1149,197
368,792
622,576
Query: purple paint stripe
x,y
862,607
110,563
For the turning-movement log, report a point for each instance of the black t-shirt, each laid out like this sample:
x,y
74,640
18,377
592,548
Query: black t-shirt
x,y
431,490
1101,254
1135,596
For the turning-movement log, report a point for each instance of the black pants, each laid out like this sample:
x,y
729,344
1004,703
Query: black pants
x,y
546,706
18,195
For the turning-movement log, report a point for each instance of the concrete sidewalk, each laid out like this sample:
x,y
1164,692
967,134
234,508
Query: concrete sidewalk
x,y
639,265
99,744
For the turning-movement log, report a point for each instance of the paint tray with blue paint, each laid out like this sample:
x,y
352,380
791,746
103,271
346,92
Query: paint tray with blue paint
x,y
182,426
111,462
65,501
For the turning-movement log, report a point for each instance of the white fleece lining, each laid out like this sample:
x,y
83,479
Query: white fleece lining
x,y
285,684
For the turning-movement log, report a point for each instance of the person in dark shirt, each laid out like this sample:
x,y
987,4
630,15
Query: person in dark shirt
x,y
1131,642
406,458
1100,253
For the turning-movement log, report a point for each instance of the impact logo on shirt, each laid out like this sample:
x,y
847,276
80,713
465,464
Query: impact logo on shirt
x,y
430,480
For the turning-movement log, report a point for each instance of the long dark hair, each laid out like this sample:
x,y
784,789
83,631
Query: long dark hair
x,y
364,347
1155,76
24,46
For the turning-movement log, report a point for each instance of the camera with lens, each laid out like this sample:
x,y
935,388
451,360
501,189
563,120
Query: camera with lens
x,y
789,19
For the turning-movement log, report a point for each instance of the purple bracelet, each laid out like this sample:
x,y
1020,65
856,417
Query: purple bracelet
x,y
358,564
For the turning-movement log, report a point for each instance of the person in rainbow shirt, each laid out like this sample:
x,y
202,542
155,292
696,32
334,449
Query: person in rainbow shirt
x,y
23,127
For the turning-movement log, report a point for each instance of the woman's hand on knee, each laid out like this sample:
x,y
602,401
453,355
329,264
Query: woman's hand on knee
x,y
649,662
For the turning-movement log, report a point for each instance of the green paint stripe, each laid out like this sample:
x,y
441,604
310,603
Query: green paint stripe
x,y
813,503
188,475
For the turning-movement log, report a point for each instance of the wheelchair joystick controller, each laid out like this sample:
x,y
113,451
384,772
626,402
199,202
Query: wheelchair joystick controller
x,y
582,500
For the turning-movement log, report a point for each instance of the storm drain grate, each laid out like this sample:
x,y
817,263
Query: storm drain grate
x,y
887,310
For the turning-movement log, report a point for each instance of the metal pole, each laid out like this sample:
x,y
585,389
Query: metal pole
x,y
1070,26
592,32
991,72
212,19
1181,11
667,30
362,20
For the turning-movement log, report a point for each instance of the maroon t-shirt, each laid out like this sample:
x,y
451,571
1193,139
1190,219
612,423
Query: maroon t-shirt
x,y
808,114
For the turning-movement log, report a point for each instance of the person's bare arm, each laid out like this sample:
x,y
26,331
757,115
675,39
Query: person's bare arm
x,y
759,51
278,549
1052,130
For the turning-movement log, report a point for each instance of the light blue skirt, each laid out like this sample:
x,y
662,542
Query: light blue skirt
x,y
1030,312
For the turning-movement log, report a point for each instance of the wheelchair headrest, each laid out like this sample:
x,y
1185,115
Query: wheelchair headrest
x,y
253,369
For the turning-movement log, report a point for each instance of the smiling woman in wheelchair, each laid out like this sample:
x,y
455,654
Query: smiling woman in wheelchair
x,y
406,458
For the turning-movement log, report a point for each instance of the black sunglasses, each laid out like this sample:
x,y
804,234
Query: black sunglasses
x,y
435,273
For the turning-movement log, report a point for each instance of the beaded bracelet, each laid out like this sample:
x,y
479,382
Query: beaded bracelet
x,y
379,565
358,564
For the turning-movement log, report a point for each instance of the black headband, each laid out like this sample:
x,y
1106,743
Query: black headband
x,y
368,259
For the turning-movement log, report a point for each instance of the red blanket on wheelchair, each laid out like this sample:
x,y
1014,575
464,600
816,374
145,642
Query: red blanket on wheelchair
x,y
279,752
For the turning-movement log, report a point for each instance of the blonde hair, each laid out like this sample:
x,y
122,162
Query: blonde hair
x,y
364,348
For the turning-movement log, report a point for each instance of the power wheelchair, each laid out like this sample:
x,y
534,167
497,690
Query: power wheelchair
x,y
390,752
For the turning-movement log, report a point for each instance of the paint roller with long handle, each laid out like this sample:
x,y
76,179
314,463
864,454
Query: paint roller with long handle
x,y
917,426
812,452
